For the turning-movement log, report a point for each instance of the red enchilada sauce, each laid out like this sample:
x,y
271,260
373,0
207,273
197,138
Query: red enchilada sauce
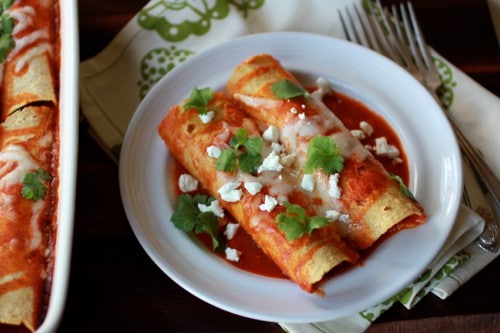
x,y
351,113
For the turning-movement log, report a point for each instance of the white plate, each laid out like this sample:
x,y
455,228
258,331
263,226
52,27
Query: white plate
x,y
434,163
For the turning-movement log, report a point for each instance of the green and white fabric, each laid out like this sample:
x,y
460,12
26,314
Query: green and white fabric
x,y
166,33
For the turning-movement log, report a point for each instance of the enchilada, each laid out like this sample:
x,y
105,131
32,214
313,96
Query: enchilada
x,y
306,258
364,191
28,158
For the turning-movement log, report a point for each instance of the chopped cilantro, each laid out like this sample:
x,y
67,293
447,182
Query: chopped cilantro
x,y
34,184
287,89
295,222
199,99
243,153
403,187
6,28
188,217
323,153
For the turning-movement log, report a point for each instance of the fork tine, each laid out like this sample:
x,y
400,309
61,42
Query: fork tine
x,y
425,51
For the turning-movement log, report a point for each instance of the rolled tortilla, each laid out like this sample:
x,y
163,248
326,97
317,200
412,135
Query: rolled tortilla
x,y
26,144
372,200
30,69
304,260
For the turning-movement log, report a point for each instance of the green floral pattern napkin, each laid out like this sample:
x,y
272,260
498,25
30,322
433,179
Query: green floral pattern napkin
x,y
166,33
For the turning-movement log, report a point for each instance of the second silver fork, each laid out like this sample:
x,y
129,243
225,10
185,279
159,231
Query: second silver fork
x,y
398,36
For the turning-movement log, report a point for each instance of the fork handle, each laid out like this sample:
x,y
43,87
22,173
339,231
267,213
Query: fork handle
x,y
486,176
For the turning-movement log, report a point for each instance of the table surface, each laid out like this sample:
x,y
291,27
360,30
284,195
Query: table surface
x,y
115,287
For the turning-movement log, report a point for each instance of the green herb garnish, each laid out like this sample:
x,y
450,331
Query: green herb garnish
x,y
188,217
295,222
403,187
243,153
287,89
323,153
199,99
6,28
34,184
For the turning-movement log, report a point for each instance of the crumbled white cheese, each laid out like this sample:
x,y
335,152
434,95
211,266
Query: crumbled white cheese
x,y
231,229
293,110
335,215
302,116
214,207
271,134
334,189
277,147
332,214
187,183
358,134
207,117
344,218
382,148
303,106
307,182
230,192
271,163
213,151
269,203
232,254
253,187
365,127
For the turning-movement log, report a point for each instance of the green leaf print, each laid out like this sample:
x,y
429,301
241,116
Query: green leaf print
x,y
158,62
176,20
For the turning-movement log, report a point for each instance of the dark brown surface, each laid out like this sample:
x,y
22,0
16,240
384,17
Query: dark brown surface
x,y
115,287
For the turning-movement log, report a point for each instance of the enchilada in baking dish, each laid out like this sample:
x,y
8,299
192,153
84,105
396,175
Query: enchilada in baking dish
x,y
322,197
28,158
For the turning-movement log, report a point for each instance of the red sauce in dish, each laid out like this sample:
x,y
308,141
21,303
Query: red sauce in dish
x,y
351,113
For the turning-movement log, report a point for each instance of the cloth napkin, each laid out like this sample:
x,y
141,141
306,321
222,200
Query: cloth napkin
x,y
165,33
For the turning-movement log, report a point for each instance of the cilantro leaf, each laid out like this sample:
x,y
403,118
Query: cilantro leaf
x,y
323,153
188,217
249,163
199,99
295,222
34,184
6,28
227,160
243,153
287,89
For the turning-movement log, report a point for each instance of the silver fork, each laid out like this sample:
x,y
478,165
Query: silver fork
x,y
398,36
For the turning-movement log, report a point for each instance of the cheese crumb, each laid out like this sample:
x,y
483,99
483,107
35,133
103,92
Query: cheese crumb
x,y
231,229
293,110
214,151
271,163
252,187
269,203
207,117
232,254
382,148
230,192
332,214
214,207
334,190
358,134
302,116
307,182
187,183
365,127
271,134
